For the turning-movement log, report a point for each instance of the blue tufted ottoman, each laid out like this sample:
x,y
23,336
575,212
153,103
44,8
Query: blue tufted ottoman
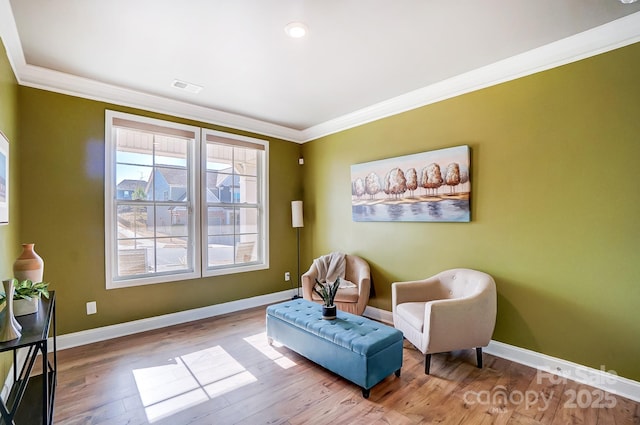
x,y
354,347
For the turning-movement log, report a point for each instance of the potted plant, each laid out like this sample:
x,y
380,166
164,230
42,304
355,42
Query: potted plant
x,y
26,296
327,291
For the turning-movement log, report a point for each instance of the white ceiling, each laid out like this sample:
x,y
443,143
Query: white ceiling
x,y
362,59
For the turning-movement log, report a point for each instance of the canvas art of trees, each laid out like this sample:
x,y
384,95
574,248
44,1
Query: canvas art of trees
x,y
412,180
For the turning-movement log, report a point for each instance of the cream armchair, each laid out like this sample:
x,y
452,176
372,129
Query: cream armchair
x,y
453,310
352,300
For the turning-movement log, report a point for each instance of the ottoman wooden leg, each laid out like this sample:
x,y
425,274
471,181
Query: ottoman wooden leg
x,y
365,393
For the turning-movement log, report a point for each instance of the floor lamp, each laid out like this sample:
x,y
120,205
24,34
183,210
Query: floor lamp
x,y
297,222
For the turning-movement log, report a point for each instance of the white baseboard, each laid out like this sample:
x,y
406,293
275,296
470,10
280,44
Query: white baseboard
x,y
378,314
122,329
551,368
606,380
559,368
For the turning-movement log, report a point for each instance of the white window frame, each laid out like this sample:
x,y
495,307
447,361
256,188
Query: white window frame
x,y
111,225
263,207
198,229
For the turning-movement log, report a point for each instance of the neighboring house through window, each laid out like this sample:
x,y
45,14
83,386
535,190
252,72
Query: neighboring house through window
x,y
177,208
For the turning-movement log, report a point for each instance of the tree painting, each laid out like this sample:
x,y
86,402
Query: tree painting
x,y
387,190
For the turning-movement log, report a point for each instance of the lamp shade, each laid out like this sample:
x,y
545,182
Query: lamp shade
x,y
296,214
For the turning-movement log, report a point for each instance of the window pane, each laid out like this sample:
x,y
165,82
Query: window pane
x,y
219,250
133,221
170,151
246,249
246,161
247,190
134,147
172,254
224,186
248,221
135,257
219,157
221,221
170,184
172,220
132,181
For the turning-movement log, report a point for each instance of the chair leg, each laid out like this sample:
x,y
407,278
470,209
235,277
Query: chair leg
x,y
479,357
427,363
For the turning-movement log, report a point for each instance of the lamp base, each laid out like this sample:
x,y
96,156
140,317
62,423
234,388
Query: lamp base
x,y
295,297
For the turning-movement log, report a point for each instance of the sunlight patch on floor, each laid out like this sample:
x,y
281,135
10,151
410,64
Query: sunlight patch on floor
x,y
260,343
188,380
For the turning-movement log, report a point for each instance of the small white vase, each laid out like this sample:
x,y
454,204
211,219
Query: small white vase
x,y
23,306
8,329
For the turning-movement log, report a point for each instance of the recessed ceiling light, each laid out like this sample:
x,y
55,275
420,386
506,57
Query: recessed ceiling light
x,y
296,30
628,1
183,85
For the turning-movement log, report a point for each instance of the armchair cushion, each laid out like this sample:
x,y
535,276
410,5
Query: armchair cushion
x,y
413,313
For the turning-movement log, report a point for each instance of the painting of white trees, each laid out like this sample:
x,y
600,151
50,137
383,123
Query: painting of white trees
x,y
428,186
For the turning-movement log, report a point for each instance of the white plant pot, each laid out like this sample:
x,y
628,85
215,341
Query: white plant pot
x,y
22,307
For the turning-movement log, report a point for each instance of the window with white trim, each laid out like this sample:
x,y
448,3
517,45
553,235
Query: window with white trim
x,y
180,206
234,200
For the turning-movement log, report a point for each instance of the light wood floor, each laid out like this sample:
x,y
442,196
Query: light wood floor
x,y
222,371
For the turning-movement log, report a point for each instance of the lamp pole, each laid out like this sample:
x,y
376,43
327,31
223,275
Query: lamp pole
x,y
297,221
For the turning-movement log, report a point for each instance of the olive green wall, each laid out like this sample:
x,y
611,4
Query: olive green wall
x,y
62,212
9,246
555,205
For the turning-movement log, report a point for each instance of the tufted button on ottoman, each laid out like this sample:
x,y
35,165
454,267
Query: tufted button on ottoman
x,y
354,347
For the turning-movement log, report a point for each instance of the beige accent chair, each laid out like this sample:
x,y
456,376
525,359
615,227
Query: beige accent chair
x,y
453,310
350,300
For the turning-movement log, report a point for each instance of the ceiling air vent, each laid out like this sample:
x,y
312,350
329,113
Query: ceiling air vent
x,y
183,85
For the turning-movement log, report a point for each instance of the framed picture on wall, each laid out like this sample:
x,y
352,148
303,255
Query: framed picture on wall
x,y
432,186
4,179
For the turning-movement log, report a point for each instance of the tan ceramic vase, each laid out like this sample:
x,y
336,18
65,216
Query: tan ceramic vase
x,y
29,265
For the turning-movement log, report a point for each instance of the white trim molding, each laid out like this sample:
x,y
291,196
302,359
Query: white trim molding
x,y
606,380
613,35
551,368
90,336
610,36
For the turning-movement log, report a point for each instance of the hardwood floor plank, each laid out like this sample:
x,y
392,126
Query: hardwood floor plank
x,y
222,371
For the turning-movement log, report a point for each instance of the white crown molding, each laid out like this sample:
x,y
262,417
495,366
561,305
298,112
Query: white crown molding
x,y
551,369
610,36
46,79
59,82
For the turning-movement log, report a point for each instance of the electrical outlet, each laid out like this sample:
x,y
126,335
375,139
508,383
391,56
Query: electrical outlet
x,y
287,276
91,307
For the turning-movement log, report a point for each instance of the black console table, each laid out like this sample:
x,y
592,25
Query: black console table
x,y
30,401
